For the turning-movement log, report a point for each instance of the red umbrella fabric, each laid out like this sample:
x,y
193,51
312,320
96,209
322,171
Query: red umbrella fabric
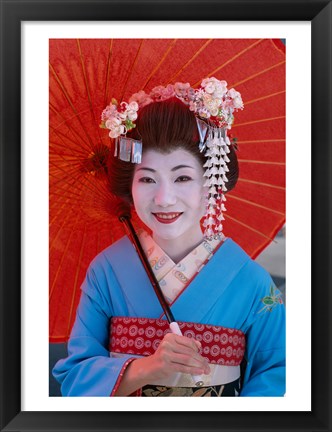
x,y
85,75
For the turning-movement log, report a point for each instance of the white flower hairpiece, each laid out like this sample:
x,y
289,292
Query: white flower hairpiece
x,y
212,101
119,119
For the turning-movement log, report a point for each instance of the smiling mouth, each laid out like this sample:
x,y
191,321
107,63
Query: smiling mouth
x,y
167,218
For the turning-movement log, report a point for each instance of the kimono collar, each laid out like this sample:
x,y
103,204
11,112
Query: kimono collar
x,y
172,277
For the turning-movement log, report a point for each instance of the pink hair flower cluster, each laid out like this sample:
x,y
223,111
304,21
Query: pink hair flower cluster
x,y
212,101
119,119
215,102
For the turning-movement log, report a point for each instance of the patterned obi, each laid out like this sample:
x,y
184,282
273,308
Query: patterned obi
x,y
222,347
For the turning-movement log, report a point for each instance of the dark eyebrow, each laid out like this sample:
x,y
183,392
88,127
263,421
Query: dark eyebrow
x,y
173,169
145,169
181,166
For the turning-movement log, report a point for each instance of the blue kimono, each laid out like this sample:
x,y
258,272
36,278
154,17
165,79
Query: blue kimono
x,y
231,290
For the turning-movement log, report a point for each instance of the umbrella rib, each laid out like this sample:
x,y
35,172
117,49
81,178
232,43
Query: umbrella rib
x,y
98,207
96,190
132,68
261,183
74,197
258,121
259,73
262,162
202,48
92,186
61,261
248,227
69,174
265,97
52,220
263,141
108,68
70,102
239,54
64,221
67,245
61,338
90,221
70,157
168,50
67,123
68,168
76,281
256,205
87,86
83,71
73,180
61,145
62,88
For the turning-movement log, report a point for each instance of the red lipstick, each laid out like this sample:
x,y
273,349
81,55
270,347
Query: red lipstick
x,y
167,218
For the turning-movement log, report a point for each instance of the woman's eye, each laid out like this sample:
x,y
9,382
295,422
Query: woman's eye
x,y
183,178
146,180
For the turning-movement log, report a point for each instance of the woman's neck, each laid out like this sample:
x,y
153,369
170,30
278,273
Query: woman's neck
x,y
178,248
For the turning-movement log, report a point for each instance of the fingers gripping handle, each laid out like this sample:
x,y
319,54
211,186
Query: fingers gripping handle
x,y
198,380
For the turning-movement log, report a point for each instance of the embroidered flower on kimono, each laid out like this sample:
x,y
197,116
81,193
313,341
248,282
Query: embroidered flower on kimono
x,y
271,301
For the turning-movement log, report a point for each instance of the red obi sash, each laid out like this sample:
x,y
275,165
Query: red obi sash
x,y
142,336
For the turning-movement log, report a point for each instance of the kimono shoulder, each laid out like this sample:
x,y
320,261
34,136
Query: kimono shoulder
x,y
119,275
103,259
252,280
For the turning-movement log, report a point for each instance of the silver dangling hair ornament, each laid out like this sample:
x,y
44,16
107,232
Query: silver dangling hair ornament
x,y
128,149
215,143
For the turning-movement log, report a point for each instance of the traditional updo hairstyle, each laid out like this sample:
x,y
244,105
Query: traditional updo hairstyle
x,y
163,126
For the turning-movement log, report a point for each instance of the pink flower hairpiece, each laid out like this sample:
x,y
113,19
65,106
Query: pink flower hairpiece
x,y
212,101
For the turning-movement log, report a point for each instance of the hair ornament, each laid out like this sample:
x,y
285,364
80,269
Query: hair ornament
x,y
202,128
128,149
217,149
214,106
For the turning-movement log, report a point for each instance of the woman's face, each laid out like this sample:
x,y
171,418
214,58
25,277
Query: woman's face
x,y
168,194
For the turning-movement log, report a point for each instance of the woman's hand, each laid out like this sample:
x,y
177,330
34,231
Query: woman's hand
x,y
174,354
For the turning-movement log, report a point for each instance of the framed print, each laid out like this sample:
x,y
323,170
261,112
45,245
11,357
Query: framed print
x,y
33,34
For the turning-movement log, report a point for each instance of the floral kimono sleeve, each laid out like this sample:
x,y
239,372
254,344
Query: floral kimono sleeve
x,y
265,370
89,370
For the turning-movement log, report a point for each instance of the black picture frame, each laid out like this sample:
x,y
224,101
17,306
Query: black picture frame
x,y
13,12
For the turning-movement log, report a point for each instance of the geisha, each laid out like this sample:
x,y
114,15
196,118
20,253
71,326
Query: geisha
x,y
174,168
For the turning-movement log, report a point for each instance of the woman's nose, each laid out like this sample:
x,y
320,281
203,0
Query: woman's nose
x,y
165,195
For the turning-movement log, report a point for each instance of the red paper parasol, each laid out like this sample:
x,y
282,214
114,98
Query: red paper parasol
x,y
85,75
